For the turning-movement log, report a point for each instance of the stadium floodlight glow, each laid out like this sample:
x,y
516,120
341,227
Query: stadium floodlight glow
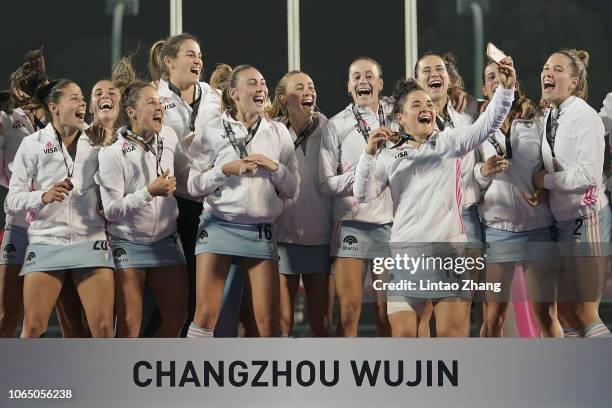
x,y
477,8
118,9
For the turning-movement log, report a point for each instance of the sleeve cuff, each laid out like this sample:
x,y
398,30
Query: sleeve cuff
x,y
483,181
146,196
39,200
280,172
220,176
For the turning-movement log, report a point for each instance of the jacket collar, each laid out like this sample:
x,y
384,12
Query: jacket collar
x,y
235,123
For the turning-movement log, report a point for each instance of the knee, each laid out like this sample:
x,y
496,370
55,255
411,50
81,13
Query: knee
x,y
349,311
403,330
453,329
495,322
103,327
33,327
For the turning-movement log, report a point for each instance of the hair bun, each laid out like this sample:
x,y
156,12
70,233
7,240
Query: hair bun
x,y
404,86
583,56
44,90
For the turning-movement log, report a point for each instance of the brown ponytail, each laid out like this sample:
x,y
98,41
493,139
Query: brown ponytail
x,y
26,79
156,65
123,73
220,76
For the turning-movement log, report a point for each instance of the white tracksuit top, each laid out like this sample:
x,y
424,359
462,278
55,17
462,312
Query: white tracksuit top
x,y
14,128
341,147
307,219
177,115
469,185
578,188
37,166
425,183
504,207
126,169
250,198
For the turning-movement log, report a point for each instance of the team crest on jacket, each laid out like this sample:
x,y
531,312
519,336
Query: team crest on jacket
x,y
127,147
49,148
18,124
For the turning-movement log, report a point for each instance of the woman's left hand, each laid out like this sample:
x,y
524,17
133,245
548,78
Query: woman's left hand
x,y
262,161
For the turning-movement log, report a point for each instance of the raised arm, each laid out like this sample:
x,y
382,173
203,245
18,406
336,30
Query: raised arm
x,y
463,140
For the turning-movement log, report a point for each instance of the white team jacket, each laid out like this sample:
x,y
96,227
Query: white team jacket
x,y
14,128
307,219
341,147
425,183
177,115
247,199
504,206
126,169
469,185
38,165
578,188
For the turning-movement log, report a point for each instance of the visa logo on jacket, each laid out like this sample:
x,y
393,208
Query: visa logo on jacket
x,y
49,148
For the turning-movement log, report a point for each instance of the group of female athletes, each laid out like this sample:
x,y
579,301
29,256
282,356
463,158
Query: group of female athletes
x,y
214,200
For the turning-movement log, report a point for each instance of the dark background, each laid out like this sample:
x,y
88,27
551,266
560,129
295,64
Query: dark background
x,y
76,36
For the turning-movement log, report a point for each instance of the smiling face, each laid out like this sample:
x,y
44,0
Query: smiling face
x,y
491,80
418,114
557,79
433,77
69,111
185,68
300,95
365,83
251,93
148,114
105,102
